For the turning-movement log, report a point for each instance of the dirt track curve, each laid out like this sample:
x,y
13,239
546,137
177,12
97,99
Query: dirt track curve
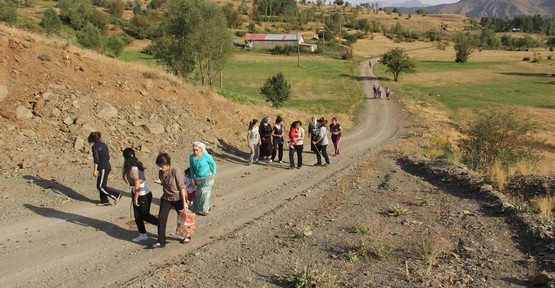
x,y
89,246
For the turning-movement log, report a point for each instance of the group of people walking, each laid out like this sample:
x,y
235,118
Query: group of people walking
x,y
378,91
175,193
192,189
266,141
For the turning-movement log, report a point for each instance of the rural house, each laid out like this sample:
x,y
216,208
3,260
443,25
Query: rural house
x,y
269,41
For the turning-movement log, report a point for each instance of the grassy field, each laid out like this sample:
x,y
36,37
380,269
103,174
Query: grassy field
x,y
489,79
319,85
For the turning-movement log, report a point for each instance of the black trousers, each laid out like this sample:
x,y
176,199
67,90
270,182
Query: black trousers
x,y
165,207
299,150
102,186
278,149
324,151
142,213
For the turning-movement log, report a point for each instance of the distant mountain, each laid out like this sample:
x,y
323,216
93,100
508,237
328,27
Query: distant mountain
x,y
402,3
482,8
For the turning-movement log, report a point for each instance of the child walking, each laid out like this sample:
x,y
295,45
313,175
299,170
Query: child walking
x,y
189,187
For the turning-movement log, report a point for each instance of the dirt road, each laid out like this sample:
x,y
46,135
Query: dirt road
x,y
87,246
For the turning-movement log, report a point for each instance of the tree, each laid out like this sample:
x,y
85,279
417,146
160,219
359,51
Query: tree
x,y
463,48
277,90
51,22
193,36
397,62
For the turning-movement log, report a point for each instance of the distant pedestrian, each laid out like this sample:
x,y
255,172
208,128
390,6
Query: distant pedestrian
x,y
387,92
101,169
379,90
297,145
203,170
375,90
133,173
253,140
174,194
336,130
277,140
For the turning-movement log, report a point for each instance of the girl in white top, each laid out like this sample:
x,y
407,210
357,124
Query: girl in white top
x,y
133,173
253,140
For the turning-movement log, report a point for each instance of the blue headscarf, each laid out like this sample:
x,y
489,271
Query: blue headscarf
x,y
266,119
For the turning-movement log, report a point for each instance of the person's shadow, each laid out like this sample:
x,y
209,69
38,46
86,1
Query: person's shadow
x,y
106,227
62,189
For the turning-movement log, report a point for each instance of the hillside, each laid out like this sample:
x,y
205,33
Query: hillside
x,y
371,218
499,8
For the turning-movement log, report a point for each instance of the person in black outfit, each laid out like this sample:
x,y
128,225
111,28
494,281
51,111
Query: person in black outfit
x,y
101,170
277,135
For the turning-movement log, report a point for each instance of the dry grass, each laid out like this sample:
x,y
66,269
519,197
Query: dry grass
x,y
546,205
498,176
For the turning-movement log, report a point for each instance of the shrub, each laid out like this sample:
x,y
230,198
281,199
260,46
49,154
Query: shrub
x,y
240,33
115,45
90,37
44,57
277,90
8,12
51,22
526,58
498,136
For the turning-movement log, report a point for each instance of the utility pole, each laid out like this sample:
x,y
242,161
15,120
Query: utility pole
x,y
298,50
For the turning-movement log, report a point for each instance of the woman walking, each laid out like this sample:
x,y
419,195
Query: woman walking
x,y
265,131
173,196
322,143
335,129
277,140
253,140
134,173
203,169
101,169
298,133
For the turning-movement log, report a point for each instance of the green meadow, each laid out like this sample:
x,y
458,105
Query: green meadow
x,y
319,84
478,84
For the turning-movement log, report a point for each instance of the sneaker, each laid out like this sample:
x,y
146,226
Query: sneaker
x,y
158,245
318,164
280,161
140,238
117,199
324,164
270,161
291,167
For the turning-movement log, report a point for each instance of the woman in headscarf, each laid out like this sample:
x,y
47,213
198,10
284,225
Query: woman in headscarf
x,y
265,131
203,169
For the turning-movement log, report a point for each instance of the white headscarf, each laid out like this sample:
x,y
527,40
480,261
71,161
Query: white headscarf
x,y
199,145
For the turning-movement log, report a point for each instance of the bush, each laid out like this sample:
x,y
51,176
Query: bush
x,y
284,49
115,45
498,136
90,37
240,33
8,12
277,90
526,58
51,22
